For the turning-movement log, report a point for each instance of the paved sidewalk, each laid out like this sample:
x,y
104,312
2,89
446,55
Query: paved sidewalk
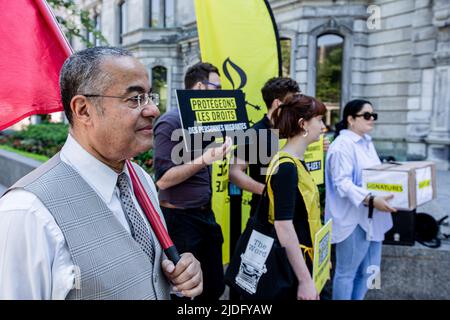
x,y
440,207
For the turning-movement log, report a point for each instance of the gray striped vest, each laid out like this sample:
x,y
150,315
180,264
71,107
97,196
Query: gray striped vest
x,y
109,262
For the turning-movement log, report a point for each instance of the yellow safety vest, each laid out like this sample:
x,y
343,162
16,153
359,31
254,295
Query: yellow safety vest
x,y
308,190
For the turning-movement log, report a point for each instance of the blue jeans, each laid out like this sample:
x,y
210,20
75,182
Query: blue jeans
x,y
355,258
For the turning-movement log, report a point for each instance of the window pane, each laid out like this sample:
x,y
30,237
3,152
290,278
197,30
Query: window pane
x,y
170,13
159,85
97,22
155,12
329,74
286,47
122,20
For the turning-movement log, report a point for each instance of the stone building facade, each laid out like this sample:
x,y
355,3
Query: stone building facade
x,y
395,53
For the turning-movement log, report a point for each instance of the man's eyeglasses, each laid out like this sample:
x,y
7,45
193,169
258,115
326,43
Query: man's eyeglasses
x,y
134,102
215,85
367,116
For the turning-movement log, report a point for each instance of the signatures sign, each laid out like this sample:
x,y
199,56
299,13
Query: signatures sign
x,y
209,115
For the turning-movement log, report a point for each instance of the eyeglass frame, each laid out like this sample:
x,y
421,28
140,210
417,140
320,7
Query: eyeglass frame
x,y
367,116
148,96
215,85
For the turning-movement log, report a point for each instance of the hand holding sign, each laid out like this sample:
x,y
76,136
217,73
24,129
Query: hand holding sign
x,y
217,153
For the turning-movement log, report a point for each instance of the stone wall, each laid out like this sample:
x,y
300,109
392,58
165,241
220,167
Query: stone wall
x,y
402,66
14,166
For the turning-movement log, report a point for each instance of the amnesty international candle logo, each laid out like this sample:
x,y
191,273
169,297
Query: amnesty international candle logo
x,y
208,116
241,73
238,82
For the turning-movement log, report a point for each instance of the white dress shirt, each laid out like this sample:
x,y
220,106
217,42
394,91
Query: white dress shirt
x,y
35,262
347,156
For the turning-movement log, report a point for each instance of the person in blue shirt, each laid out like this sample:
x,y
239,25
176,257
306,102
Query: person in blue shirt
x,y
358,239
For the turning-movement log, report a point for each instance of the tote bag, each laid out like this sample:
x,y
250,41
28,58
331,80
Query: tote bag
x,y
259,268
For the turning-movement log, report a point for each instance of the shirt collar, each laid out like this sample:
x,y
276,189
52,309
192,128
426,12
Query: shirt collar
x,y
98,175
356,137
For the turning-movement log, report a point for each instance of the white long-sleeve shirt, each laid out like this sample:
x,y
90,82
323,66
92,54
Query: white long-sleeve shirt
x,y
35,262
347,156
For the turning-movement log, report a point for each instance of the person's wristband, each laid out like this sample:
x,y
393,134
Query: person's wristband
x,y
366,199
371,198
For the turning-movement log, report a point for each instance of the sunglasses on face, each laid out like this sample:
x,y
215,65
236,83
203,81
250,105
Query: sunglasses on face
x,y
367,116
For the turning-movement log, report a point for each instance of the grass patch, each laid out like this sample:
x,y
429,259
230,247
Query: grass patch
x,y
37,157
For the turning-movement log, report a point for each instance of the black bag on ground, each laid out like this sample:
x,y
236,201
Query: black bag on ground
x,y
427,230
259,267
403,231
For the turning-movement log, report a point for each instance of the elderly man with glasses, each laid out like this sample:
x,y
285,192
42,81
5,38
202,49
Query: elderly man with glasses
x,y
73,229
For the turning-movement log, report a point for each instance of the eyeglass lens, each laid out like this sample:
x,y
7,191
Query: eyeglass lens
x,y
368,115
144,99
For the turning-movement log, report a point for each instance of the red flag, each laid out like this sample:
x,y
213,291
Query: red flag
x,y
32,51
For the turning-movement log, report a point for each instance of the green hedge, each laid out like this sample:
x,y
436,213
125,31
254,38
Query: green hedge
x,y
45,139
48,138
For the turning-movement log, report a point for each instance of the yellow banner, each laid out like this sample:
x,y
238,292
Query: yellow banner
x,y
314,161
322,256
226,30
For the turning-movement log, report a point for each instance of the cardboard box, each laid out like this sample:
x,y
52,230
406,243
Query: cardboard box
x,y
411,183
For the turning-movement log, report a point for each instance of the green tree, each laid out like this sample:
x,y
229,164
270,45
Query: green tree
x,y
329,76
285,45
159,86
71,26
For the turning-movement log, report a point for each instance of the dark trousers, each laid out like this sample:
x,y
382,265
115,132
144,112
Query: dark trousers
x,y
196,231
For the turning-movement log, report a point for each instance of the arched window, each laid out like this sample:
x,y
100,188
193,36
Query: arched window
x,y
286,49
159,86
330,49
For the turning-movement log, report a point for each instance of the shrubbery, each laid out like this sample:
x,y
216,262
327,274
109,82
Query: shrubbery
x,y
44,139
48,138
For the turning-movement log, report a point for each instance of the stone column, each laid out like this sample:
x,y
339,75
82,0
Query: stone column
x,y
439,137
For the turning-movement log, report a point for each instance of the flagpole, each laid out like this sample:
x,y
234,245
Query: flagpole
x,y
50,18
